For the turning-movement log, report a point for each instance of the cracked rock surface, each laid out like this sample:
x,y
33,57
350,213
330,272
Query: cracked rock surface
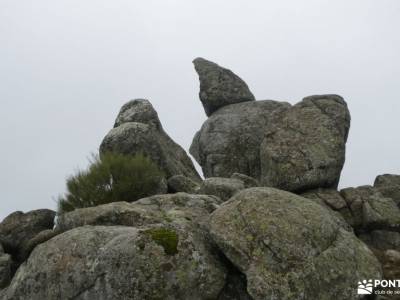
x,y
290,247
155,248
116,262
293,148
305,149
229,141
370,209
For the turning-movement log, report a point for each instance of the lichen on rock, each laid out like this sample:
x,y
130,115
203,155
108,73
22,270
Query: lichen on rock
x,y
167,238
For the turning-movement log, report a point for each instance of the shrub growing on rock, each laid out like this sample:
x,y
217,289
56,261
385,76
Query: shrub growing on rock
x,y
111,178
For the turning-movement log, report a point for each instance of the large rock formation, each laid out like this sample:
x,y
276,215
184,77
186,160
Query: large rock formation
x,y
219,86
119,262
155,248
289,147
374,214
305,148
137,129
364,208
229,141
289,247
224,237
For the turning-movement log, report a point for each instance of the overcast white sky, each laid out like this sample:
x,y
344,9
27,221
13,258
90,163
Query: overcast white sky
x,y
67,66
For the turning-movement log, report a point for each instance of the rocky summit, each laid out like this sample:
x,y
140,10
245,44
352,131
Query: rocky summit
x,y
267,222
293,148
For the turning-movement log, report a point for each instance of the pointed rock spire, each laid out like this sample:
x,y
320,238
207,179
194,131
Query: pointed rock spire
x,y
219,86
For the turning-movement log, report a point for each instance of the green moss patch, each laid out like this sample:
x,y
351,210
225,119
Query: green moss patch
x,y
166,238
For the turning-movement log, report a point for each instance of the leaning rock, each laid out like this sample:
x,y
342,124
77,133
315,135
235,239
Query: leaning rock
x,y
223,188
18,228
289,247
229,141
138,130
119,262
180,183
293,148
306,148
219,86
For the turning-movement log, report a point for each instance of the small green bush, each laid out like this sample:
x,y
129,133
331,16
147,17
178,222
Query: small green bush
x,y
111,178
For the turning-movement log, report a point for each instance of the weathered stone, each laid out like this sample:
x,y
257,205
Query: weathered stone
x,y
235,286
151,210
333,201
140,131
247,180
6,265
294,148
115,213
229,141
18,228
290,247
391,264
332,198
382,239
223,188
306,147
180,183
219,86
41,237
120,262
139,111
175,267
389,186
370,209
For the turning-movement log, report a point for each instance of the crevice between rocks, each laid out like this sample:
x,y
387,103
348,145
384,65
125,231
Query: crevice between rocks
x,y
235,283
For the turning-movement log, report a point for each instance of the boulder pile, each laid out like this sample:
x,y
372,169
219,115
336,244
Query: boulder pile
x,y
267,222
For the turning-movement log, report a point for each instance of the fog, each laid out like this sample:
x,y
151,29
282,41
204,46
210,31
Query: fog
x,y
66,67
